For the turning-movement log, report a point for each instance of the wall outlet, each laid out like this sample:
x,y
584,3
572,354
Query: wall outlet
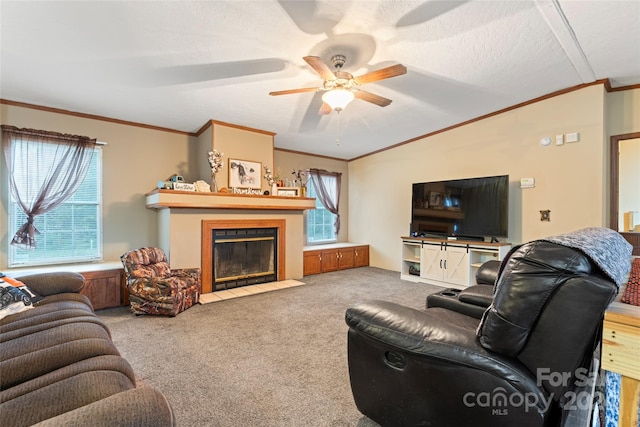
x,y
573,137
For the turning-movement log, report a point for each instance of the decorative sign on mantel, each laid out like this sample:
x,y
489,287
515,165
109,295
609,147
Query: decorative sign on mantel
x,y
253,191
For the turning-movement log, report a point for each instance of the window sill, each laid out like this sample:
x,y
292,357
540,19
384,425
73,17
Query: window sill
x,y
334,245
76,268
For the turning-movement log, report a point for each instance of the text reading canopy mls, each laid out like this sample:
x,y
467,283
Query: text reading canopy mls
x,y
465,208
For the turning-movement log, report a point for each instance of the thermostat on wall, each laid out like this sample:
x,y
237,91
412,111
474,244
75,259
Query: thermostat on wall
x,y
545,142
527,182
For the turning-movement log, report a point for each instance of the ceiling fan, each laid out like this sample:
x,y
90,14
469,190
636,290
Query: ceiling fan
x,y
341,87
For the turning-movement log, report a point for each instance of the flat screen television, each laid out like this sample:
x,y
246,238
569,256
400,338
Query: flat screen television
x,y
476,208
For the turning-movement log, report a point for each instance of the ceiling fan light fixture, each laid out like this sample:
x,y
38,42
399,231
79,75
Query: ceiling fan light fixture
x,y
338,98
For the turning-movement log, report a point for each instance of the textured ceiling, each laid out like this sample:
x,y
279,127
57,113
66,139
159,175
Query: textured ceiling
x,y
179,64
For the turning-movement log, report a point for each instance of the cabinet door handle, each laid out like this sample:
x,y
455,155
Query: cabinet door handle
x,y
445,264
440,263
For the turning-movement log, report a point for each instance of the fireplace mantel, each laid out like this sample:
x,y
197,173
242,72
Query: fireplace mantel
x,y
163,199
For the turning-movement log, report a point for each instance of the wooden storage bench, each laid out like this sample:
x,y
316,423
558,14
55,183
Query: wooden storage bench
x,y
333,257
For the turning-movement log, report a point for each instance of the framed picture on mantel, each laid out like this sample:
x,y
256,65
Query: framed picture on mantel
x,y
244,173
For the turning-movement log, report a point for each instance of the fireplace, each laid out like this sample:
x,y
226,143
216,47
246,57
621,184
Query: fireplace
x,y
244,256
241,252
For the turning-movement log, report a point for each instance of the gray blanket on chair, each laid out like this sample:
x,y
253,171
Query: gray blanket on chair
x,y
605,247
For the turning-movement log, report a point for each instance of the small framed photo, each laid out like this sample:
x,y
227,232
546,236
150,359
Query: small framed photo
x,y
245,173
288,191
435,200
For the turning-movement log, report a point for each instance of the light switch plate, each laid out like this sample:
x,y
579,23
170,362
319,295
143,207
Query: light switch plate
x,y
527,182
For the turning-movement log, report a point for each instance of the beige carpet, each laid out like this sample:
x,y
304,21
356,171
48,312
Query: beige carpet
x,y
245,291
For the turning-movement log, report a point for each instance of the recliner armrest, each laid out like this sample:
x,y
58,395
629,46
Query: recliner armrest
x,y
409,329
481,295
58,282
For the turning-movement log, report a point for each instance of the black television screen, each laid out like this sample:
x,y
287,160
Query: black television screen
x,y
473,207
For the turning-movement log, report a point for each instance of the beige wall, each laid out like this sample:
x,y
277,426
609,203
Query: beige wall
x,y
569,178
237,143
623,112
287,162
184,234
134,159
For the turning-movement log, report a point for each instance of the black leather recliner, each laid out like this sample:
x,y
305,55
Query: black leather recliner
x,y
520,365
472,301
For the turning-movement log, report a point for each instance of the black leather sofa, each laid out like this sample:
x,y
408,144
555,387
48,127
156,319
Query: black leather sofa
x,y
522,364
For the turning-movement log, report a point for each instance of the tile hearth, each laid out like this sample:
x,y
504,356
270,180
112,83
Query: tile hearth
x,y
247,291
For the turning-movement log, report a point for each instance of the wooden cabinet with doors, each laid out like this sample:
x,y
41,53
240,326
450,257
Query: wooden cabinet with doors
x,y
312,262
361,256
104,288
335,257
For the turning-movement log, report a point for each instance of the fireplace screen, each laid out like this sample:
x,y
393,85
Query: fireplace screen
x,y
244,257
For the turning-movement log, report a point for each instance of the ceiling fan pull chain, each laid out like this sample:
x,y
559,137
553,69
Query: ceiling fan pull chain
x,y
338,129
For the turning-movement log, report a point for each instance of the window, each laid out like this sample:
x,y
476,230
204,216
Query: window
x,y
320,222
71,232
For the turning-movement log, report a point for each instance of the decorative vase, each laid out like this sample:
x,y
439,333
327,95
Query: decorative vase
x,y
214,184
303,191
274,189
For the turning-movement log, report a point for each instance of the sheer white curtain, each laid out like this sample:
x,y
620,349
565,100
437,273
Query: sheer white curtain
x,y
45,169
327,186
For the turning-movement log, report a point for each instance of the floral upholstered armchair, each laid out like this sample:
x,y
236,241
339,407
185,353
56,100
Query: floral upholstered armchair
x,y
156,289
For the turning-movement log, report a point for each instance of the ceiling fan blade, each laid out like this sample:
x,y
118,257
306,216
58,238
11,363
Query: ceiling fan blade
x,y
427,11
372,98
289,91
325,109
305,15
384,73
320,67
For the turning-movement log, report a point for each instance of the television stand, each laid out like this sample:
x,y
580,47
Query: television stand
x,y
447,263
466,238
